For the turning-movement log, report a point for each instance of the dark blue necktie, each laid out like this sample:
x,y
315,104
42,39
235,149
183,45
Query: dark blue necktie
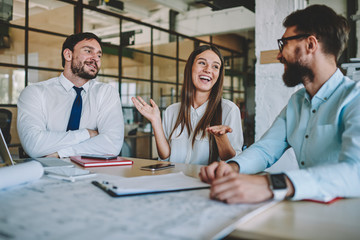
x,y
74,120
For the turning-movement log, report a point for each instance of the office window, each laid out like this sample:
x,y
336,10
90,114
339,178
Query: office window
x,y
12,82
104,26
51,15
164,94
17,15
186,46
164,69
128,90
136,36
110,60
182,64
162,43
12,45
35,75
136,64
45,50
113,81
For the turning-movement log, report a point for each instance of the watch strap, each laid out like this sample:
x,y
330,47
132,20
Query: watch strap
x,y
277,184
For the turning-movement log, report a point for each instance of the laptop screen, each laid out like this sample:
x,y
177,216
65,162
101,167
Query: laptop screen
x,y
5,156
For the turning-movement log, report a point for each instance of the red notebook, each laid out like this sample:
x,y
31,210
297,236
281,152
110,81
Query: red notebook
x,y
87,162
325,201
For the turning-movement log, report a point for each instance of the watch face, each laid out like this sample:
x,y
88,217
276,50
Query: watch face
x,y
278,181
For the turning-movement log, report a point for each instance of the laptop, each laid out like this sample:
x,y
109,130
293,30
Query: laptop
x,y
47,163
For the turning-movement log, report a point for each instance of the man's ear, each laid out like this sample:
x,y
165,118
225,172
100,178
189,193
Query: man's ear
x,y
67,54
312,44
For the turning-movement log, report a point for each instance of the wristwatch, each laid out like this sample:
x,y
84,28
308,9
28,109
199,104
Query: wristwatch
x,y
277,183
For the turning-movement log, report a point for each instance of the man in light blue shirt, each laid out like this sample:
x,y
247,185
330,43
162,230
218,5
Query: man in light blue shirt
x,y
321,122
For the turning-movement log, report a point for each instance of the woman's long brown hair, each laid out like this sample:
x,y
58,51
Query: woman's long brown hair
x,y
213,113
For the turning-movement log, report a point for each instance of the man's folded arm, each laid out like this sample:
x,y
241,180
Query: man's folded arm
x,y
36,140
110,123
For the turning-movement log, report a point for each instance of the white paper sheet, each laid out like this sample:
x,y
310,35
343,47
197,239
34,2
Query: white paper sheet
x,y
20,173
53,209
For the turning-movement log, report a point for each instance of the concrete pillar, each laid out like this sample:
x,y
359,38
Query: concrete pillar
x,y
271,95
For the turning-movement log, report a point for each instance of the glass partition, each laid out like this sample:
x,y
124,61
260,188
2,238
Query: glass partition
x,y
164,94
136,64
35,75
12,48
17,16
45,50
139,59
110,60
136,36
51,15
186,46
164,69
162,44
106,27
12,82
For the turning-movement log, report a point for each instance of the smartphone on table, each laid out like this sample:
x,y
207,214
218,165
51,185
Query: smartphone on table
x,y
96,156
158,166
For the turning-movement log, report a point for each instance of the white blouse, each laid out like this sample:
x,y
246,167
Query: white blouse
x,y
181,146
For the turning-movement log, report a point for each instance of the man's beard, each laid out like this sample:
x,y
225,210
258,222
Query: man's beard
x,y
78,69
296,73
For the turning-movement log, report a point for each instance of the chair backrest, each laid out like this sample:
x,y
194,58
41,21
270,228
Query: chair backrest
x,y
5,123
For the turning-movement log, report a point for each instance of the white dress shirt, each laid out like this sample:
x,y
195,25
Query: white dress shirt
x,y
181,146
44,111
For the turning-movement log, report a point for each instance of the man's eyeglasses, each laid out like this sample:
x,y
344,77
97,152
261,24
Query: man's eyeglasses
x,y
282,41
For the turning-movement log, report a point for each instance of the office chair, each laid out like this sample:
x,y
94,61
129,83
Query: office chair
x,y
5,123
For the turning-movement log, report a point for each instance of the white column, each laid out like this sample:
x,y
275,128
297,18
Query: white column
x,y
271,95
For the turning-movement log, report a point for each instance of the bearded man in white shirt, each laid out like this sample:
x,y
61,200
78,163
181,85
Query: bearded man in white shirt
x,y
72,114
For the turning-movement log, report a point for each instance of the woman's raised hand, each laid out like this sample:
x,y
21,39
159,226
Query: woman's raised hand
x,y
152,113
219,130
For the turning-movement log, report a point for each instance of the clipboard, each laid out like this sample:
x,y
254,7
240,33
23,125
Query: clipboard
x,y
173,182
112,192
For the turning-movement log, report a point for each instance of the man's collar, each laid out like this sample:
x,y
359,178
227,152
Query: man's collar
x,y
329,87
68,85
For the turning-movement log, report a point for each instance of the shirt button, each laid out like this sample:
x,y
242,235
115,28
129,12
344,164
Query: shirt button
x,y
306,136
302,163
314,111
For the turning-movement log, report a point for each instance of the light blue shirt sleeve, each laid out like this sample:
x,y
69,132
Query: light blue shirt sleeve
x,y
267,151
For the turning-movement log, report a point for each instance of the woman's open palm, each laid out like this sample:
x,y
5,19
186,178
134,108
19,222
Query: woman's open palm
x,y
152,113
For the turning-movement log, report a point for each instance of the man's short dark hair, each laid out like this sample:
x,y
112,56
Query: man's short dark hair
x,y
73,39
331,29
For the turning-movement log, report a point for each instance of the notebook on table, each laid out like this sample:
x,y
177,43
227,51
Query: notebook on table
x,y
47,163
87,162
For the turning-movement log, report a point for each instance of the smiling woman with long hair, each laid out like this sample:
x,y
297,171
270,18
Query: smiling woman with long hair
x,y
203,127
